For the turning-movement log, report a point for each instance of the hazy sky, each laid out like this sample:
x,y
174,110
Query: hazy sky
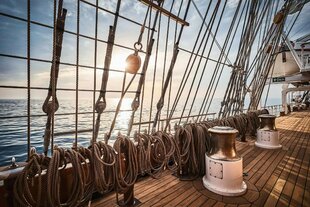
x,y
13,41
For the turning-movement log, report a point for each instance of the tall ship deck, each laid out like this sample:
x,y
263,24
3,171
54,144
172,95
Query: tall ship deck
x,y
274,178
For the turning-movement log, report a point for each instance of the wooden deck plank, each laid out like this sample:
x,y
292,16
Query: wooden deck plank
x,y
219,204
172,185
266,190
191,199
199,201
272,191
262,174
139,187
266,175
210,202
258,170
184,199
300,185
287,191
173,195
279,187
157,196
306,197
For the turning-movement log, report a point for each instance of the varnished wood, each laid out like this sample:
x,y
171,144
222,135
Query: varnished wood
x,y
275,177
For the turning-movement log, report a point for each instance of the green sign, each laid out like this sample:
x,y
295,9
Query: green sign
x,y
278,79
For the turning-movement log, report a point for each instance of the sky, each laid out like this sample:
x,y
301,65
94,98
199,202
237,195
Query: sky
x,y
13,41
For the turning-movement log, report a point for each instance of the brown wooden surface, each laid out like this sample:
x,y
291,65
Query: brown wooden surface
x,y
275,177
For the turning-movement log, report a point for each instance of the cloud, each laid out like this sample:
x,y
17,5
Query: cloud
x,y
233,3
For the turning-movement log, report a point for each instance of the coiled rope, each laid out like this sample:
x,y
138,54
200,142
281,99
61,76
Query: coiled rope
x,y
188,167
118,167
80,174
104,167
126,166
200,143
23,186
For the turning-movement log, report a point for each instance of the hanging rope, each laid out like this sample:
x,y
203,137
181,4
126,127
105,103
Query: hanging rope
x,y
28,77
30,176
104,167
208,29
51,105
136,100
187,72
101,101
80,173
188,166
154,152
126,166
133,63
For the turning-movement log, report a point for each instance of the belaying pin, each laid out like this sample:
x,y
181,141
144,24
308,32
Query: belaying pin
x,y
13,165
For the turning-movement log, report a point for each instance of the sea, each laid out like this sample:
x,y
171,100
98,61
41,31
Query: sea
x,y
13,123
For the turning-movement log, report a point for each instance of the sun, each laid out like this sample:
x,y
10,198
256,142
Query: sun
x,y
118,61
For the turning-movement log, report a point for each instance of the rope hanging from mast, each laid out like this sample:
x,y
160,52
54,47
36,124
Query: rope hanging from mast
x,y
101,104
136,101
51,105
124,90
175,53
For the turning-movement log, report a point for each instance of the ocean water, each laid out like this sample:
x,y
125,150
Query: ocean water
x,y
13,131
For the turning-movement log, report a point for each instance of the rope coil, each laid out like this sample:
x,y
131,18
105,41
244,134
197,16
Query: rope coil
x,y
126,166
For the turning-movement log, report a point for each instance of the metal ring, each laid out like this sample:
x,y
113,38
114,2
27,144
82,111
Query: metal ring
x,y
137,45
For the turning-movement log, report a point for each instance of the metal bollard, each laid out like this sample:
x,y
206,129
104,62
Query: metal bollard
x,y
267,134
224,170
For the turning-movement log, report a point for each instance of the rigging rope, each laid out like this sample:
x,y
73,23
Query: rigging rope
x,y
51,106
101,104
104,167
25,181
126,166
136,100
205,106
133,65
204,67
160,103
28,77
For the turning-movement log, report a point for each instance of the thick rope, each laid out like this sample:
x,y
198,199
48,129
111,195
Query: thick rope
x,y
80,174
126,170
51,105
24,184
104,167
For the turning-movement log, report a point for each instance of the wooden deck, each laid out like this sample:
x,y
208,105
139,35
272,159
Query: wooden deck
x,y
275,177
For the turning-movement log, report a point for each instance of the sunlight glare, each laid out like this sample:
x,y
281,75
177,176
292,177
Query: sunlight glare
x,y
118,61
